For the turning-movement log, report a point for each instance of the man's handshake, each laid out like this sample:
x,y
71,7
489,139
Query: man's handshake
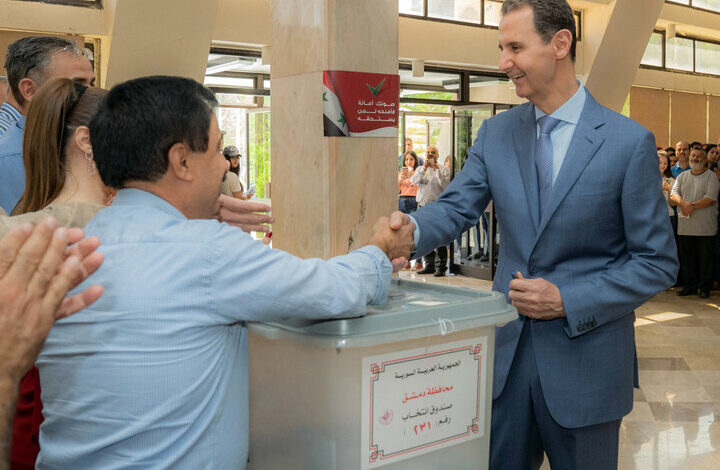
x,y
394,235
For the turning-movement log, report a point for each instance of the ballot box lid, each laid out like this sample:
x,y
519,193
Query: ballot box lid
x,y
414,310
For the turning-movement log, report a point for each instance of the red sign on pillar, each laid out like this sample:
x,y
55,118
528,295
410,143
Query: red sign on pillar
x,y
357,104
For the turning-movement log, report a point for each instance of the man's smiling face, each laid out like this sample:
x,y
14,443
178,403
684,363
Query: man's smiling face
x,y
527,60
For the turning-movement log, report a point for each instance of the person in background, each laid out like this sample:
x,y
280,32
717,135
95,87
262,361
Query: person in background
x,y
696,194
231,184
682,150
713,155
36,272
431,180
407,204
667,182
671,155
697,145
30,62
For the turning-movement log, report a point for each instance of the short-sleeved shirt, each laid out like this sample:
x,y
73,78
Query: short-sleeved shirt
x,y
407,188
690,187
676,170
231,184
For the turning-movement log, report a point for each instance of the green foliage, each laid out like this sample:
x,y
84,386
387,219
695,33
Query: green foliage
x,y
259,152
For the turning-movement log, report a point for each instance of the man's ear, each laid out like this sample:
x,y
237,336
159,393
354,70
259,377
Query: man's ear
x,y
179,161
561,42
82,140
27,87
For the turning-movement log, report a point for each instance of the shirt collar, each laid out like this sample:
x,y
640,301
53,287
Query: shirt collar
x,y
132,196
571,110
11,110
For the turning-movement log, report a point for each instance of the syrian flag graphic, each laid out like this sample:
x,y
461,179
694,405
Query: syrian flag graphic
x,y
334,122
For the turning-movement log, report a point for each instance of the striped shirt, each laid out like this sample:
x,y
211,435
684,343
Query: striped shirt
x,y
8,117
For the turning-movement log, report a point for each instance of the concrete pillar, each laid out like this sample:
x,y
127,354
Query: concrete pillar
x,y
617,55
327,192
156,37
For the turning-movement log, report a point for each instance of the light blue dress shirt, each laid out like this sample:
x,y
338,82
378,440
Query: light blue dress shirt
x,y
561,136
154,375
12,170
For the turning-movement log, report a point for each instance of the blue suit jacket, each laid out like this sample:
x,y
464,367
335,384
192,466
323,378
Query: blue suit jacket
x,y
605,241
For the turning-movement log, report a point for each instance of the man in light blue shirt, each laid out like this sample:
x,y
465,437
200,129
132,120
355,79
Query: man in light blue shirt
x,y
155,374
30,62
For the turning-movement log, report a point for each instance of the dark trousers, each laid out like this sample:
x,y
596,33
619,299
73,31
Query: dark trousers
x,y
437,258
407,204
697,260
522,427
674,222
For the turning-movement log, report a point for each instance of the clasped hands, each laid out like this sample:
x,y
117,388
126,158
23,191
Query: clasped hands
x,y
394,235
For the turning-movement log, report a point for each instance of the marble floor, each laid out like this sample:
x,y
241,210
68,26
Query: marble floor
x,y
675,422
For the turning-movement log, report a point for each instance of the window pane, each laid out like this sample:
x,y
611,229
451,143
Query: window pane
x,y
458,10
713,5
679,54
653,52
411,7
707,57
492,13
683,2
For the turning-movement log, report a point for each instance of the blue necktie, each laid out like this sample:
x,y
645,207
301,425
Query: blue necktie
x,y
544,160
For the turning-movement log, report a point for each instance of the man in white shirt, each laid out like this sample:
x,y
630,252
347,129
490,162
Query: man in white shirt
x,y
696,193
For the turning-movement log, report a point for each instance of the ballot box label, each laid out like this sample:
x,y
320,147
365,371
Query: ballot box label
x,y
421,400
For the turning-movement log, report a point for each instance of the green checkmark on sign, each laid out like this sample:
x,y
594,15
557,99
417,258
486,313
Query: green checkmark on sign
x,y
375,90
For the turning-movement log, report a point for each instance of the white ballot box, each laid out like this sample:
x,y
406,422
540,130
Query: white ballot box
x,y
408,386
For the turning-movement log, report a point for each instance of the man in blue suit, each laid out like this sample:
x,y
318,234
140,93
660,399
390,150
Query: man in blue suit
x,y
583,230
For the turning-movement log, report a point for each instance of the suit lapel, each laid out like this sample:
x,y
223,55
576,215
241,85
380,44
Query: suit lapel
x,y
524,137
584,145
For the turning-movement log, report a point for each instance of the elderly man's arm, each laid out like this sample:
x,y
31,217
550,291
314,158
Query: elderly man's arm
x,y
36,273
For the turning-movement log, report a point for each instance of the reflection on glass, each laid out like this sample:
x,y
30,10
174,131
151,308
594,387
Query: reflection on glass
x,y
653,52
411,7
713,5
679,54
458,10
493,13
707,57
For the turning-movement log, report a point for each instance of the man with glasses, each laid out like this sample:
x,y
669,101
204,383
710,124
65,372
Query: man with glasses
x,y
29,63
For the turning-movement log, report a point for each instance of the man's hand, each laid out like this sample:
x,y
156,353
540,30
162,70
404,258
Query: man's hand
x,y
397,243
249,216
536,298
35,275
687,208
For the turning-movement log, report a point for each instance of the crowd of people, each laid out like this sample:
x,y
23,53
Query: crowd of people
x,y
419,183
691,186
153,369
139,276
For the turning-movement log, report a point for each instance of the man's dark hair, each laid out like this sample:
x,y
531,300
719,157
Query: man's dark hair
x,y
30,56
696,144
550,17
670,150
141,119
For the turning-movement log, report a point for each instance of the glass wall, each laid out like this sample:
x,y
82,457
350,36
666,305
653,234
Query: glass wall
x,y
682,54
711,5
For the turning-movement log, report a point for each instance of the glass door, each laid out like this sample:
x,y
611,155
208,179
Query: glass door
x,y
474,253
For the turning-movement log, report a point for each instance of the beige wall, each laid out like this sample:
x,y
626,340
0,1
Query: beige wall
x,y
651,108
